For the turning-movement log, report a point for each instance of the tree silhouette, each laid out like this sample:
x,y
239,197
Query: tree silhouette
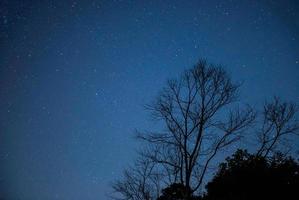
x,y
250,176
278,121
140,182
191,109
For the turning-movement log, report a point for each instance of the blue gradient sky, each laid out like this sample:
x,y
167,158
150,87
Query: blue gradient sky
x,y
74,76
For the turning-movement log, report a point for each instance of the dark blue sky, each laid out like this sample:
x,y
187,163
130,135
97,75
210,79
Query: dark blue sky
x,y
74,76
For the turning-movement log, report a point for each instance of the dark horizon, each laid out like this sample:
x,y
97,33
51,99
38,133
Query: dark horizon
x,y
75,76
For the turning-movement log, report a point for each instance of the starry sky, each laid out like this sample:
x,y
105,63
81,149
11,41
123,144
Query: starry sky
x,y
75,76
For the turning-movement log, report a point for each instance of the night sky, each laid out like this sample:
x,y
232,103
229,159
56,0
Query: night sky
x,y
75,76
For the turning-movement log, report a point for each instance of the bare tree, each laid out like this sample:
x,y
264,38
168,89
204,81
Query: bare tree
x,y
279,120
192,109
199,121
139,182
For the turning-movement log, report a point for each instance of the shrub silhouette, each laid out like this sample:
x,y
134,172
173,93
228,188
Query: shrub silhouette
x,y
246,176
177,191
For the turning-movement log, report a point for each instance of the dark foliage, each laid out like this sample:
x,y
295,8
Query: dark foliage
x,y
177,191
246,176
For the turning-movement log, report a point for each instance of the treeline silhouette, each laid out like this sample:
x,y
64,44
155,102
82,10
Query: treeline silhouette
x,y
246,176
202,117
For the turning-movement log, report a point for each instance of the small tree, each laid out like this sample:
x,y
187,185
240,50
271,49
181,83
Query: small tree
x,y
140,182
278,122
